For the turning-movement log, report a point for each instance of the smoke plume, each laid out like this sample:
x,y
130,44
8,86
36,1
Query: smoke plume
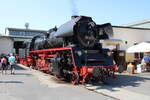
x,y
74,9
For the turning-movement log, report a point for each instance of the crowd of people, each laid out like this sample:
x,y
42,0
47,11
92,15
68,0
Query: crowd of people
x,y
7,62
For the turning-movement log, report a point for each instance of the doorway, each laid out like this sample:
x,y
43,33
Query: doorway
x,y
17,45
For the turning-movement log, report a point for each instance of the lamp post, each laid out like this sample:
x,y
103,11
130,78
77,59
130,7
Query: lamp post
x,y
27,25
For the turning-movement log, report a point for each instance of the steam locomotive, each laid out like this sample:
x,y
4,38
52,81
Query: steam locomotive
x,y
72,52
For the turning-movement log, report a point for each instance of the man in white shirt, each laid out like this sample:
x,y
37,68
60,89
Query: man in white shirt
x,y
12,61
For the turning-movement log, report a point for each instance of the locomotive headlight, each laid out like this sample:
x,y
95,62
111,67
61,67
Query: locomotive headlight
x,y
109,53
79,53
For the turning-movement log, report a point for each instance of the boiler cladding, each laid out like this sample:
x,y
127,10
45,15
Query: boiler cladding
x,y
80,31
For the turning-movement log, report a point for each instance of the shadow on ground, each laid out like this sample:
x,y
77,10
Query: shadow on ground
x,y
11,82
122,81
17,73
19,68
16,68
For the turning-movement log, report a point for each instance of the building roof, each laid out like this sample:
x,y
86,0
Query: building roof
x,y
138,23
129,27
30,37
5,36
27,30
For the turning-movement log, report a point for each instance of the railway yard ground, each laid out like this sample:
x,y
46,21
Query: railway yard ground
x,y
28,84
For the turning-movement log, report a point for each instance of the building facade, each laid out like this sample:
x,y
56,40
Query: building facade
x,y
127,36
20,36
130,36
6,45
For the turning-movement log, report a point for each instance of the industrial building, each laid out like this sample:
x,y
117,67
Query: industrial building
x,y
127,36
14,38
19,36
132,34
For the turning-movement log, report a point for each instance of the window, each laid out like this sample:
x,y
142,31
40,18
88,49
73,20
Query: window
x,y
23,33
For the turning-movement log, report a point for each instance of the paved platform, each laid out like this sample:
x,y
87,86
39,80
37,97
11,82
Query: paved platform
x,y
29,84
125,87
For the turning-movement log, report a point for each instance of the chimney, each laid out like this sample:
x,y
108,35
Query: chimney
x,y
74,16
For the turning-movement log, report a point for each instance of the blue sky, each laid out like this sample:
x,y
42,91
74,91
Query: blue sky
x,y
45,14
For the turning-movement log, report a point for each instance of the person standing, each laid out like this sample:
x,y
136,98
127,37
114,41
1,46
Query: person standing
x,y
4,64
145,62
12,61
0,64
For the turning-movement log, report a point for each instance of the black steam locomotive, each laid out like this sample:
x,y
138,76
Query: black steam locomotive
x,y
74,49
